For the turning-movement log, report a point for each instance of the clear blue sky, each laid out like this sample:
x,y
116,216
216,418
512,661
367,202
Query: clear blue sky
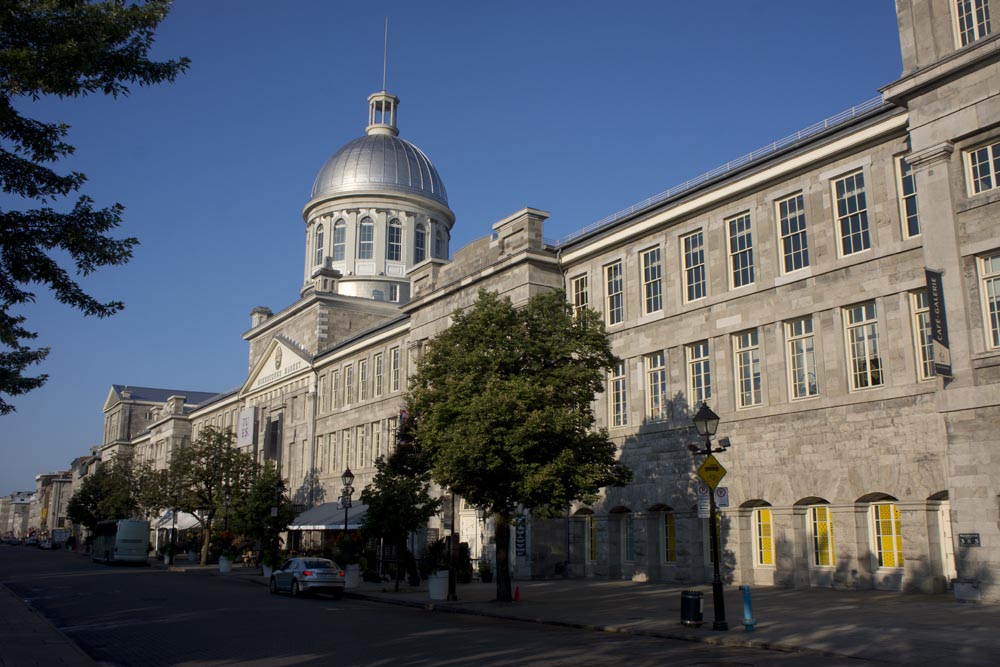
x,y
577,108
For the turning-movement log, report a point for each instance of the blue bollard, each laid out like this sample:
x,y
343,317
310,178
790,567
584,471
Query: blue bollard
x,y
748,621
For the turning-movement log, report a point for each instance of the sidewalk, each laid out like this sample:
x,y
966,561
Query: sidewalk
x,y
27,639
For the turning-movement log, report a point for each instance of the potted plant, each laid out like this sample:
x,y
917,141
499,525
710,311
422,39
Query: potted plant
x,y
435,564
347,554
269,562
485,571
169,552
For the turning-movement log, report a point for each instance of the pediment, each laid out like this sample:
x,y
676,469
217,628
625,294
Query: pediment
x,y
112,398
281,360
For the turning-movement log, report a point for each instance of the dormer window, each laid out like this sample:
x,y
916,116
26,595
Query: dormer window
x,y
394,241
319,244
366,239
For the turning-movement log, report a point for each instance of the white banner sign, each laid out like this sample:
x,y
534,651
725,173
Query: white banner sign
x,y
246,427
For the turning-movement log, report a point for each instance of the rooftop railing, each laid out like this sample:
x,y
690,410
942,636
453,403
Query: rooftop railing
x,y
732,165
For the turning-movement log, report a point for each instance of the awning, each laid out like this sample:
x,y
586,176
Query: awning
x,y
329,516
184,521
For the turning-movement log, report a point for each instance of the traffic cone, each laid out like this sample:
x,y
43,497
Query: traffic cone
x,y
517,594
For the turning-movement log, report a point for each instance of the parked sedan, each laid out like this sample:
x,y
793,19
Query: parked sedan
x,y
299,576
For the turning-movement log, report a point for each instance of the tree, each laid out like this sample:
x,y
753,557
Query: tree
x,y
251,513
122,488
398,501
501,403
65,48
200,474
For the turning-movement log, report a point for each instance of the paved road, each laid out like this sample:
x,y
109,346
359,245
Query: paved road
x,y
147,617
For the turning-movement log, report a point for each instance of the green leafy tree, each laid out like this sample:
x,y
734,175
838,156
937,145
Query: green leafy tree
x,y
501,404
62,48
251,511
399,501
122,488
200,474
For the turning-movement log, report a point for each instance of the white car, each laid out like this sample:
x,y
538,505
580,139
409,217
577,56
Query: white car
x,y
300,576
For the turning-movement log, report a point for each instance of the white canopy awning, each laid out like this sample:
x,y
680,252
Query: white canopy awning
x,y
184,520
329,516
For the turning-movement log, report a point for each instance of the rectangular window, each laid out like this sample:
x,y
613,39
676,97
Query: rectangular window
x,y
699,374
656,387
321,393
801,358
394,369
628,537
694,265
615,312
764,532
984,166
619,397
652,281
861,324
394,293
591,538
907,199
391,428
746,355
740,250
379,371
669,538
973,18
376,440
822,536
792,229
852,213
920,307
348,384
362,459
348,450
989,286
362,379
581,298
336,389
888,535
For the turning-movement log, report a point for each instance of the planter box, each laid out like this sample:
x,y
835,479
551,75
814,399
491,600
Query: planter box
x,y
437,585
352,576
225,565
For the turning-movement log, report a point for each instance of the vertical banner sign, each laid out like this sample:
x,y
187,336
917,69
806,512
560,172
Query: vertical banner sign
x,y
246,427
939,323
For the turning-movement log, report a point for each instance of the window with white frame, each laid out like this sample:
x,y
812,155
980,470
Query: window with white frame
x,y
668,546
740,250
581,297
319,244
440,245
821,529
394,369
379,368
652,281
852,213
339,239
376,431
392,433
321,393
628,537
335,381
763,537
972,18
362,379
989,287
618,396
907,185
792,230
984,167
419,243
693,250
861,328
801,358
699,373
366,239
362,460
746,357
348,450
394,241
348,384
924,343
656,386
887,535
394,293
615,291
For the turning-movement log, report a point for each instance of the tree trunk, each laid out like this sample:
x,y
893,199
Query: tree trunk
x,y
501,522
206,540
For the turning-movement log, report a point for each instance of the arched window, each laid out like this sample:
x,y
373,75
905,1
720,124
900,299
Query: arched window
x,y
888,535
420,244
319,244
394,241
821,529
440,247
366,239
763,536
339,235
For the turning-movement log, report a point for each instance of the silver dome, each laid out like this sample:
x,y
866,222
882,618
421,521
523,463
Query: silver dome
x,y
380,163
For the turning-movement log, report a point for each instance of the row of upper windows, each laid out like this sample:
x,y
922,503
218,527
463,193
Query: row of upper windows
x,y
344,390
854,236
865,362
366,241
357,446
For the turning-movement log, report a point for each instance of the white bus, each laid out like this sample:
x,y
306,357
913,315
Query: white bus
x,y
121,541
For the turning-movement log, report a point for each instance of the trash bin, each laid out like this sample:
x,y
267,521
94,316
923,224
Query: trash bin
x,y
692,604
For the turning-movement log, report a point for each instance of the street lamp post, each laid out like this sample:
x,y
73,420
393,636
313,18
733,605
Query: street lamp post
x,y
452,558
279,491
707,422
228,498
345,499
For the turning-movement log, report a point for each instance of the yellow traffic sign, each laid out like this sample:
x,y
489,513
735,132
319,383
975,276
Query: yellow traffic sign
x,y
711,471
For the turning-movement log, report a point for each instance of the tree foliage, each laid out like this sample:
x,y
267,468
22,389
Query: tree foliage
x,y
200,474
122,488
501,404
251,508
62,48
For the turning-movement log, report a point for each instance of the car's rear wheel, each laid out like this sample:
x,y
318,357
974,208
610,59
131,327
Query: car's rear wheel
x,y
273,586
295,589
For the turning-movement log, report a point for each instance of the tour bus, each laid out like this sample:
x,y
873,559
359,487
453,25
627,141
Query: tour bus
x,y
121,541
